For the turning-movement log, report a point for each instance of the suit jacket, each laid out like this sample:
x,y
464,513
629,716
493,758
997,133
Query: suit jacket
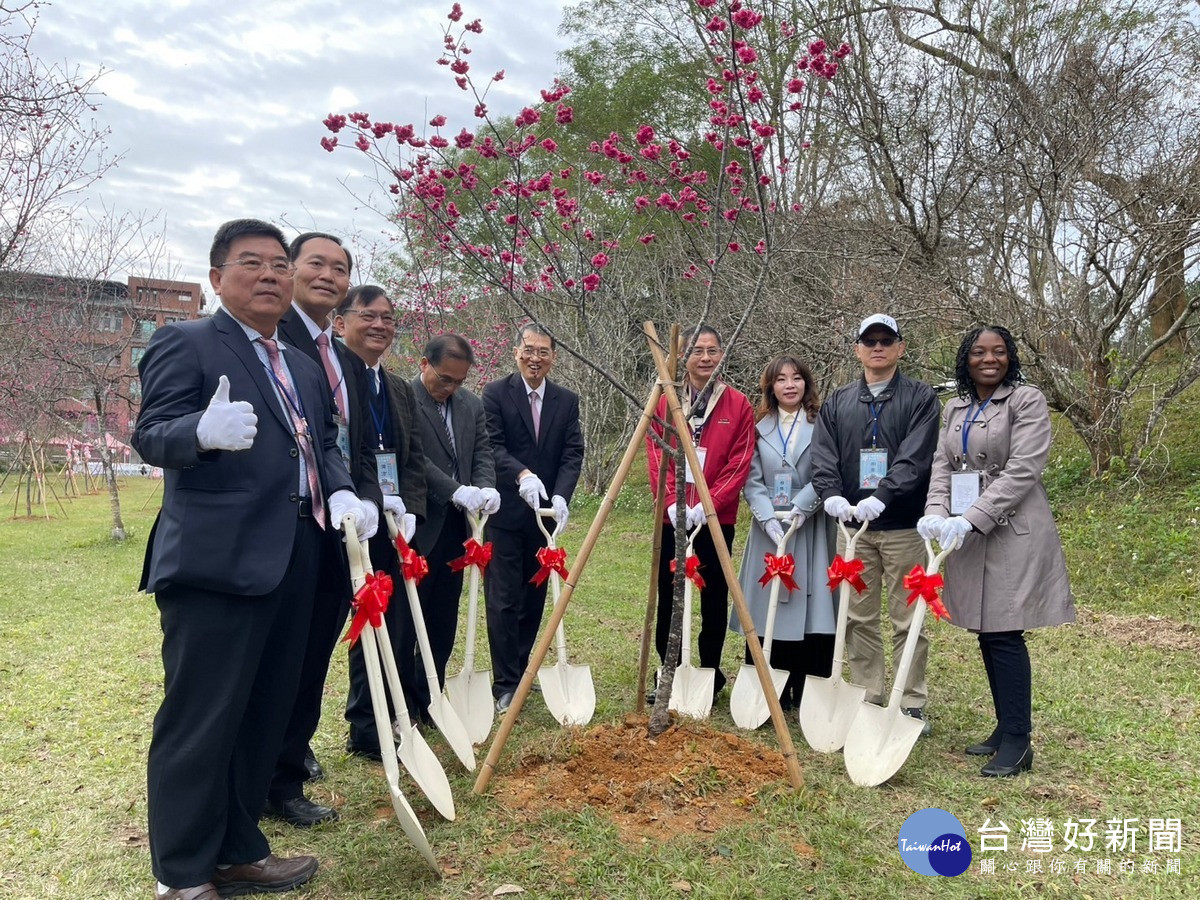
x,y
410,454
228,519
556,457
476,465
362,439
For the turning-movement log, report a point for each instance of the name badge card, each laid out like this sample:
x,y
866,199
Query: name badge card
x,y
701,453
781,490
872,466
964,490
343,437
388,472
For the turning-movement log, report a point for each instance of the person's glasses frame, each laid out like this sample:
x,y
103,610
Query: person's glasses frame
x,y
535,353
707,351
252,265
871,343
446,380
369,317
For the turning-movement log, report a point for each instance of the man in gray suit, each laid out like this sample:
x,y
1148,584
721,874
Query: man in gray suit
x,y
461,477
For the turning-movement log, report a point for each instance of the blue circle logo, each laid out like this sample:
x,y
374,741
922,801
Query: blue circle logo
x,y
933,842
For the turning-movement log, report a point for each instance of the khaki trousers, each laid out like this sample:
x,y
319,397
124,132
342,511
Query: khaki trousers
x,y
887,557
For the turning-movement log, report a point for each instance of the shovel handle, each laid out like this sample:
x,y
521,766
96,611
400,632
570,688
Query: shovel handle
x,y
477,520
354,553
851,539
935,559
787,535
541,514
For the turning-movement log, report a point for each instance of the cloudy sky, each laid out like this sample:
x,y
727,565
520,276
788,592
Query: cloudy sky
x,y
217,108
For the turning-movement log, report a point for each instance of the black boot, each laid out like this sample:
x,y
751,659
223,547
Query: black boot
x,y
1015,755
988,746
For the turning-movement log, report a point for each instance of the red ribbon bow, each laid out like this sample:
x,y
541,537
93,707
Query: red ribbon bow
x,y
552,560
928,587
370,603
412,564
692,571
782,566
846,570
477,555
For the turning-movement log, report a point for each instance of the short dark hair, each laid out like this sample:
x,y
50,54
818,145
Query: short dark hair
x,y
768,403
450,345
240,228
534,328
698,331
301,239
962,371
361,295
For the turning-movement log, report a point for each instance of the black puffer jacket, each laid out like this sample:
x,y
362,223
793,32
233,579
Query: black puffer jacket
x,y
908,430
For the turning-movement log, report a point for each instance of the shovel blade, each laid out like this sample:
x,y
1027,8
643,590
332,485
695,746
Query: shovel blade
x,y
568,692
470,693
452,729
692,691
747,703
425,770
878,743
827,710
412,827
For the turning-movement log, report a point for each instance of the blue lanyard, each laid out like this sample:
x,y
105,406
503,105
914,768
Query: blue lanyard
x,y
377,414
296,403
971,420
875,423
784,441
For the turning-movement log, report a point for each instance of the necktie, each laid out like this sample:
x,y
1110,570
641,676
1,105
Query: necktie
x,y
303,438
535,408
374,383
442,407
330,371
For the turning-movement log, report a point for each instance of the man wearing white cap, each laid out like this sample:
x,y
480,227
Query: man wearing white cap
x,y
872,452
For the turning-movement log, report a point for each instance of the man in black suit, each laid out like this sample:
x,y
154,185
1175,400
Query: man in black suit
x,y
253,482
461,475
366,321
322,278
534,426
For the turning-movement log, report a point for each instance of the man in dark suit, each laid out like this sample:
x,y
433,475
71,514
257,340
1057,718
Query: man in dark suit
x,y
461,475
253,481
322,278
534,426
366,321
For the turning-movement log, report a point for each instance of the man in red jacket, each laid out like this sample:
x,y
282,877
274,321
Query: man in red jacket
x,y
722,425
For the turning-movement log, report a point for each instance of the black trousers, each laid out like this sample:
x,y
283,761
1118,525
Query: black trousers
x,y
439,592
331,604
514,605
232,666
714,598
1006,661
811,656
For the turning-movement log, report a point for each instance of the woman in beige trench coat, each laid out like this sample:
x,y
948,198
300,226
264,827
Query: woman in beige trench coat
x,y
1009,574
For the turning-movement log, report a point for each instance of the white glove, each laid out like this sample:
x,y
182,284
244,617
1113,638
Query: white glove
x,y
774,530
408,527
225,425
929,527
561,513
797,516
839,508
532,491
953,531
394,505
672,515
869,510
491,501
467,497
366,517
695,517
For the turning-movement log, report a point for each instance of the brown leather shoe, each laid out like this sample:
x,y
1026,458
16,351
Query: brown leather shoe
x,y
273,875
199,892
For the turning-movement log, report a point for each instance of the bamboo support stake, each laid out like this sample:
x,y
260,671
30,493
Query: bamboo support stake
x,y
735,588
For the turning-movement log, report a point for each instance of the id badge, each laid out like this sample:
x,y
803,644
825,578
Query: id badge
x,y
343,437
964,490
387,472
688,475
781,490
872,466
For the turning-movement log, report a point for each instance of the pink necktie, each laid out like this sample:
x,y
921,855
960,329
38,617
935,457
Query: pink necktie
x,y
330,371
535,408
303,437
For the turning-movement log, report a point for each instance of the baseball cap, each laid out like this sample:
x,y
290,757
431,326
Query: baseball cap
x,y
879,319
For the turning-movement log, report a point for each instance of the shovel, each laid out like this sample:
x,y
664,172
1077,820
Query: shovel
x,y
440,710
470,691
692,690
881,738
828,705
356,552
567,690
747,703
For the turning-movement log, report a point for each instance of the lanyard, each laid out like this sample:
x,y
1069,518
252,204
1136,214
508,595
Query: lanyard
x,y
875,408
784,441
296,403
971,420
378,414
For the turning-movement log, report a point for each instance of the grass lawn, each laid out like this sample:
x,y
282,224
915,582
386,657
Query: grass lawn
x,y
1115,712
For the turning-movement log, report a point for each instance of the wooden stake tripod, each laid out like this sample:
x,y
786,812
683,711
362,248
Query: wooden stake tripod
x,y
663,386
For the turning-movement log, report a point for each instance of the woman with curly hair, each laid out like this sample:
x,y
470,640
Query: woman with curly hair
x,y
1008,574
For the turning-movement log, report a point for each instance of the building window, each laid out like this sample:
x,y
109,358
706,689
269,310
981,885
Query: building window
x,y
144,329
136,354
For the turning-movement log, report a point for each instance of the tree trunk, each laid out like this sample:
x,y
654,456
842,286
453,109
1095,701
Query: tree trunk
x,y
660,717
1169,300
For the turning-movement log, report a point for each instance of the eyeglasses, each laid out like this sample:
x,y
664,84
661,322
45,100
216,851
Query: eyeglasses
x,y
369,318
253,266
880,342
707,351
446,380
536,352
318,265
